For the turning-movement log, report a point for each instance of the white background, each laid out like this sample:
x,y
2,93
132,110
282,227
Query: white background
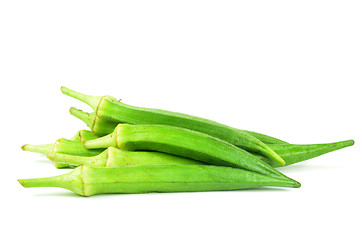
x,y
290,69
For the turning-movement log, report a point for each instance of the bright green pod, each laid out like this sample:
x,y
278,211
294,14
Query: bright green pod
x,y
111,109
88,181
182,142
114,157
294,153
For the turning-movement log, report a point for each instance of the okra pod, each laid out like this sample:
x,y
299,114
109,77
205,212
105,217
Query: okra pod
x,y
182,142
114,157
109,108
87,181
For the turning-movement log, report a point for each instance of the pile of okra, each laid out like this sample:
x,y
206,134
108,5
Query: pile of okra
x,y
130,149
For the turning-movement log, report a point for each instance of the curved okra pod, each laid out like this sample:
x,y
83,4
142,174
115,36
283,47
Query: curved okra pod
x,y
182,142
87,181
111,109
114,157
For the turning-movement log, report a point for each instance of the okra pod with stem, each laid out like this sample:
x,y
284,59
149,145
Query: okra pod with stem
x,y
114,157
182,142
62,145
87,181
111,109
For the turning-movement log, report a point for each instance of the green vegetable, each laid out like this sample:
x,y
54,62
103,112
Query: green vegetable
x,y
114,157
112,110
182,142
87,181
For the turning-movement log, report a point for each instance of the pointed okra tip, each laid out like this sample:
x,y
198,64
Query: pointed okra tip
x,y
297,184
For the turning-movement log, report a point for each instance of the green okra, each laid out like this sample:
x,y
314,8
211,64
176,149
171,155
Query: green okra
x,y
112,110
114,157
87,181
182,142
65,146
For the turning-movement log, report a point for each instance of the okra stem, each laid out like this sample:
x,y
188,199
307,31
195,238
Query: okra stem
x,y
92,101
41,148
87,118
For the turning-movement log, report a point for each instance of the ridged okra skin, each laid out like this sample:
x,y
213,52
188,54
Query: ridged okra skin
x,y
111,109
182,142
88,181
114,157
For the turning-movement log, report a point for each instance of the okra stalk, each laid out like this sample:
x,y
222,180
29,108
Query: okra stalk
x,y
112,110
87,181
182,142
114,157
